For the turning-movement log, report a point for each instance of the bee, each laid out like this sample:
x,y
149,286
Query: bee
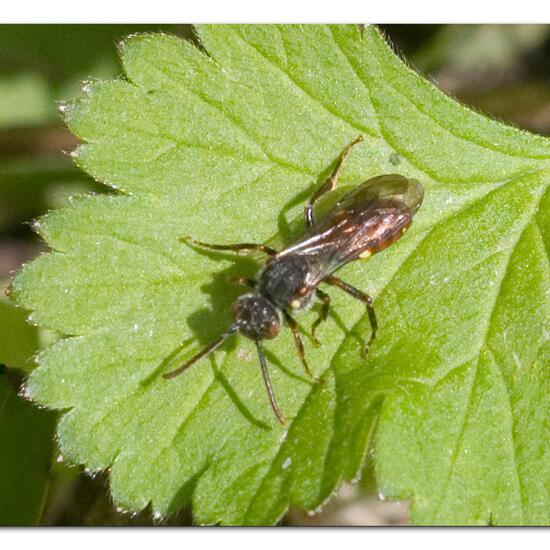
x,y
363,222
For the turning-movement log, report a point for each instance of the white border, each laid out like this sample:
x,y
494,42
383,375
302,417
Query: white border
x,y
272,539
290,11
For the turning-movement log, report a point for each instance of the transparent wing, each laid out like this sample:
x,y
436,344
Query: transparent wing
x,y
365,221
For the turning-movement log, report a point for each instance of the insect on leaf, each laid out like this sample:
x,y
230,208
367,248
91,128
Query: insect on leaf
x,y
225,143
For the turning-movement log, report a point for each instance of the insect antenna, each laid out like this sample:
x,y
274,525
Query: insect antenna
x,y
268,385
205,351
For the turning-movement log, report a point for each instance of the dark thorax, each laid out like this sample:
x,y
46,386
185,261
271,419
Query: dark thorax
x,y
284,281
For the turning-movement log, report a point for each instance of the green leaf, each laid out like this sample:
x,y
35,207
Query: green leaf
x,y
26,433
26,450
226,143
19,340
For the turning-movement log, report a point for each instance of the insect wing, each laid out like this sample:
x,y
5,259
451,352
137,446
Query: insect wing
x,y
408,192
365,221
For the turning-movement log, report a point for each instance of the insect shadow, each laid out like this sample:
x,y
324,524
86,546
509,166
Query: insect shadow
x,y
208,321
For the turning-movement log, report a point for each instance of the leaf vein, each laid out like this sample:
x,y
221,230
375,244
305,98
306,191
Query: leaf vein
x,y
307,94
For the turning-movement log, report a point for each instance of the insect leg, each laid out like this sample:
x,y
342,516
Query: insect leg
x,y
245,281
360,295
240,247
267,381
298,341
330,183
325,298
205,351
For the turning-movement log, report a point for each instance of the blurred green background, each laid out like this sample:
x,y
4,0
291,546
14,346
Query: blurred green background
x,y
501,70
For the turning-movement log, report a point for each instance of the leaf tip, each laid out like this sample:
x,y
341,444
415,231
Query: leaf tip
x,y
158,517
36,226
133,42
66,109
87,86
76,155
123,45
8,291
25,392
13,290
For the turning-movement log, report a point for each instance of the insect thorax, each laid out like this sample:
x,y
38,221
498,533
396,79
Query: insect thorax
x,y
284,281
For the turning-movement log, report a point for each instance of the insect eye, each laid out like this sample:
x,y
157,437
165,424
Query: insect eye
x,y
273,329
